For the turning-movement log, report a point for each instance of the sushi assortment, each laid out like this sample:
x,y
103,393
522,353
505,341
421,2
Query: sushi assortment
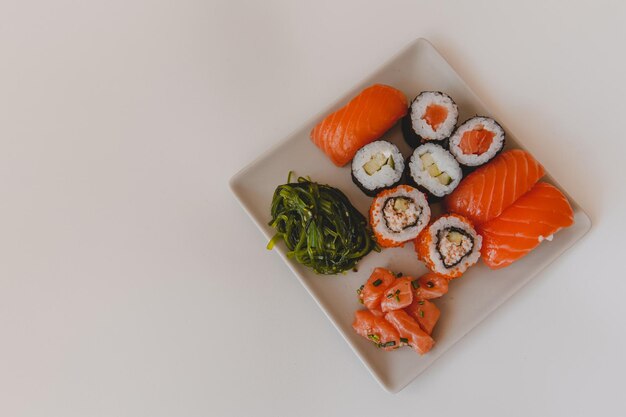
x,y
494,207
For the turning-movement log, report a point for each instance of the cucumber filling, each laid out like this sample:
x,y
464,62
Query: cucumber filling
x,y
453,244
400,213
429,165
377,161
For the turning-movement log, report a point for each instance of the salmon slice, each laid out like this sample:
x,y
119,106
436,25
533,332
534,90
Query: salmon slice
x,y
535,216
486,192
372,292
435,115
425,313
398,295
410,331
476,141
363,120
376,329
430,285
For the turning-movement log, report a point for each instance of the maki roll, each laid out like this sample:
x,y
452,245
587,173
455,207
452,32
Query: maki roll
x,y
398,215
377,166
434,169
477,141
432,116
449,245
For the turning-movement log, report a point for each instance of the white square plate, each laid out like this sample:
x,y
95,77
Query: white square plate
x,y
417,68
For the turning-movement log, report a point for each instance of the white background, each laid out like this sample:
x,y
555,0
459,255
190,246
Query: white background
x,y
132,283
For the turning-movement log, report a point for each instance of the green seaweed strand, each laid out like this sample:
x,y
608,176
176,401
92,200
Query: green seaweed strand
x,y
319,226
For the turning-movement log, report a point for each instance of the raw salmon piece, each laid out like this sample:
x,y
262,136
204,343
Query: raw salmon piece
x,y
425,312
373,290
486,192
430,285
476,141
435,115
363,120
535,216
398,295
409,329
376,329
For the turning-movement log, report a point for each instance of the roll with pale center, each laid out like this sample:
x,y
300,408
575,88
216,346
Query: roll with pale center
x,y
377,166
398,215
434,170
449,245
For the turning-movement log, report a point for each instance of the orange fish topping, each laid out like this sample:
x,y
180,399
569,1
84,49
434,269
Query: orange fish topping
x,y
476,141
435,115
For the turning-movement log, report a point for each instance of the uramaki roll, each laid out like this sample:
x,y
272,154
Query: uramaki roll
x,y
398,215
449,245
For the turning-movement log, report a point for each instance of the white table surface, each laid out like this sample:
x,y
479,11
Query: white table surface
x,y
133,284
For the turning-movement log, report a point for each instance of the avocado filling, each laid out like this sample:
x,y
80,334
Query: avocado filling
x,y
377,161
453,244
400,213
429,165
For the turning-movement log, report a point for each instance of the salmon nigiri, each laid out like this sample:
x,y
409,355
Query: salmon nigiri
x,y
489,190
534,217
363,120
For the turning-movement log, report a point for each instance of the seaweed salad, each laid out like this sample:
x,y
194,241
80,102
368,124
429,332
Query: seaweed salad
x,y
320,227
